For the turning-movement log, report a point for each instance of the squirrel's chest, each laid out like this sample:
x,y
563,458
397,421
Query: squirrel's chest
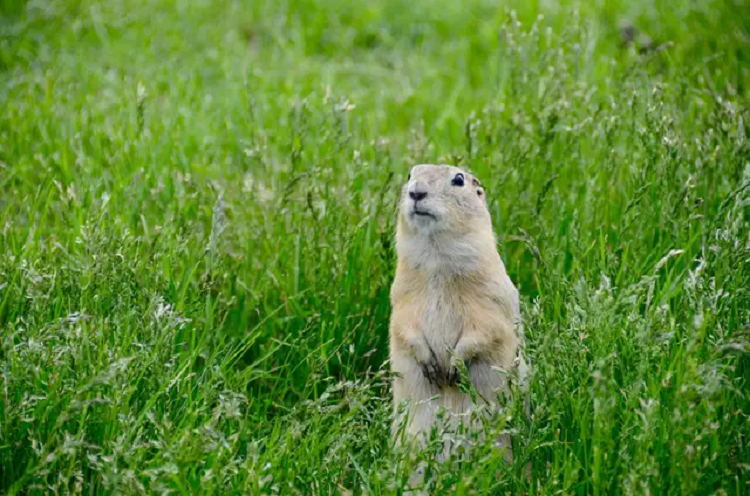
x,y
441,318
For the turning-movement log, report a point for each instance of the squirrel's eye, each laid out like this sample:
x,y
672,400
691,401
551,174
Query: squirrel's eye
x,y
458,180
409,177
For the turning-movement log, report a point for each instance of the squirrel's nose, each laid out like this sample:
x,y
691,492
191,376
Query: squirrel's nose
x,y
417,192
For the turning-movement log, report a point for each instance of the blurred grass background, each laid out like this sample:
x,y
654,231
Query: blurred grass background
x,y
196,218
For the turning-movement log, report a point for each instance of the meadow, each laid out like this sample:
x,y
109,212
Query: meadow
x,y
197,206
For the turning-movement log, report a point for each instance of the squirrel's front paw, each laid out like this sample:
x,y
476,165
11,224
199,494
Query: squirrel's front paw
x,y
431,371
457,371
428,362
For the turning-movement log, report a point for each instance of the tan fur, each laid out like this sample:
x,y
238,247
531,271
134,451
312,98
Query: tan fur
x,y
451,300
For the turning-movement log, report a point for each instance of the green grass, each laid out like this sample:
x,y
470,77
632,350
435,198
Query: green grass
x,y
196,219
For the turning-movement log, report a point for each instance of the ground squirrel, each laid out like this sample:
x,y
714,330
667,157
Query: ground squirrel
x,y
452,300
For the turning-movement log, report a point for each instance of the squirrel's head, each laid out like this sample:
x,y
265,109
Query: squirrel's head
x,y
443,198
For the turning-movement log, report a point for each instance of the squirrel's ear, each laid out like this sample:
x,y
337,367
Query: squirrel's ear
x,y
480,194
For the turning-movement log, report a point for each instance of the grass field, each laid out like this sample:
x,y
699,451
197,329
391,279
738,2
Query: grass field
x,y
197,206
